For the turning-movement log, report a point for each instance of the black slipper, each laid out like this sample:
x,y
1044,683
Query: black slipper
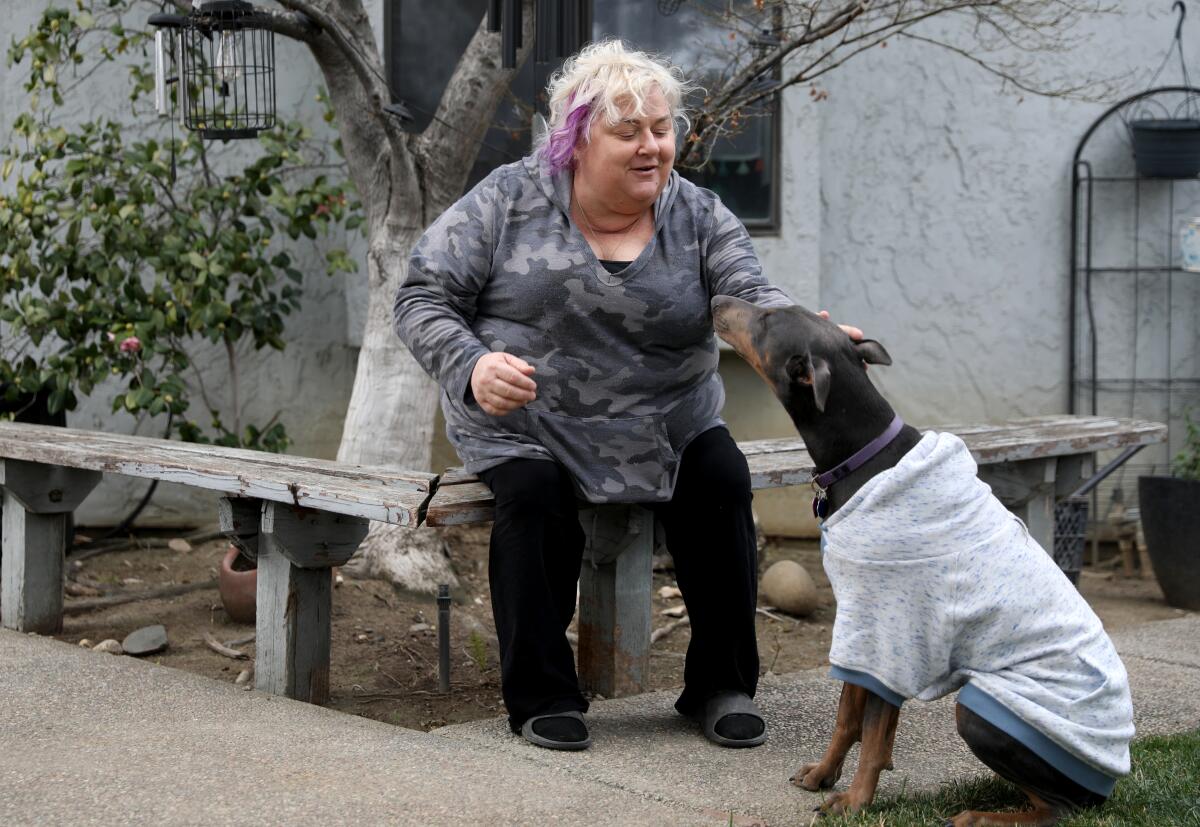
x,y
564,733
732,709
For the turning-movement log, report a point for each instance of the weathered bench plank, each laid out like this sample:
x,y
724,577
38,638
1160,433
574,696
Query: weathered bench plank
x,y
1028,463
774,463
376,494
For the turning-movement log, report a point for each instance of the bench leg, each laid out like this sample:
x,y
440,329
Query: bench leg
x,y
292,629
31,570
1027,488
38,500
614,601
296,549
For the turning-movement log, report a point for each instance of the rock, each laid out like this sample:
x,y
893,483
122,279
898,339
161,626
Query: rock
x,y
145,641
675,611
179,544
419,627
669,592
73,589
85,643
244,676
110,646
789,588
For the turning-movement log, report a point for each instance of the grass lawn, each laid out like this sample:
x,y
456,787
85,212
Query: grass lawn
x,y
1163,788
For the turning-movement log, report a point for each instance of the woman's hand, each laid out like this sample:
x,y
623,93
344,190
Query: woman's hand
x,y
851,331
501,383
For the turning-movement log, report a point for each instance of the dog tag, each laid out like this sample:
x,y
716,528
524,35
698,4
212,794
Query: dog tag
x,y
820,507
820,500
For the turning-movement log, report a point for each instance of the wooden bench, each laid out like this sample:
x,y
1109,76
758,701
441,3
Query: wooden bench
x,y
1029,463
299,516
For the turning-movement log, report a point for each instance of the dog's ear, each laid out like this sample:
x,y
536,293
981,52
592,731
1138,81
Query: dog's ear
x,y
871,352
811,370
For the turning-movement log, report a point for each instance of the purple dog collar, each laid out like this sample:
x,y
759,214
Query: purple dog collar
x,y
821,482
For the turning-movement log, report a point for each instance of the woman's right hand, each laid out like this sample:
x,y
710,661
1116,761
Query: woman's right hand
x,y
500,383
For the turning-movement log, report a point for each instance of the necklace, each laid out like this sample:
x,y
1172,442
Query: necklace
x,y
606,254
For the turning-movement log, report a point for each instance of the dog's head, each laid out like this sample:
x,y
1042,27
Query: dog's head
x,y
797,352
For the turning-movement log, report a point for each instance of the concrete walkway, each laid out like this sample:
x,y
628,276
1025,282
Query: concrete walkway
x,y
88,738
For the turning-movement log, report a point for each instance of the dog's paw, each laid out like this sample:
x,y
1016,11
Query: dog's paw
x,y
839,803
813,777
1031,818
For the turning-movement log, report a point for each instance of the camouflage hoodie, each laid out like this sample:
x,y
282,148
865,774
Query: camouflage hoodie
x,y
626,362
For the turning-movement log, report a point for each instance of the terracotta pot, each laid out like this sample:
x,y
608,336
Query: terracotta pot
x,y
238,588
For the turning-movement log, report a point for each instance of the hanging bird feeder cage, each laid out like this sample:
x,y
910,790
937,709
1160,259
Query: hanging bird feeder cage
x,y
225,60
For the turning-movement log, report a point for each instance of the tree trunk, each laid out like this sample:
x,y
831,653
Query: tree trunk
x,y
391,413
390,422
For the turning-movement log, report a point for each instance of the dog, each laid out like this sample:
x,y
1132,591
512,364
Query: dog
x,y
938,588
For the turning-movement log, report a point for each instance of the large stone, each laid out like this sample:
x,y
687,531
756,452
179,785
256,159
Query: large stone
x,y
788,587
145,641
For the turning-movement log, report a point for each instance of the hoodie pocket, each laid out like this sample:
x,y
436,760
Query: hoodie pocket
x,y
627,460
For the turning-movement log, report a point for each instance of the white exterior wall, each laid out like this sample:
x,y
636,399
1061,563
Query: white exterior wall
x,y
919,202
308,383
946,223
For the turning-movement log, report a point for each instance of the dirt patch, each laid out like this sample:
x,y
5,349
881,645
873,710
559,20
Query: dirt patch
x,y
384,654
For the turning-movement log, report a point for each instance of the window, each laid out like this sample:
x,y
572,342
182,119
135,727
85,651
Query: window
x,y
421,50
744,169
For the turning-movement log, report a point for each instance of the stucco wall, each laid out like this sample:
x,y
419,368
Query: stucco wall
x,y
945,228
308,383
920,202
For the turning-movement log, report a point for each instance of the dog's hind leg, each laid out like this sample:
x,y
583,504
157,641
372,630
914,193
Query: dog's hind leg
x,y
823,774
1051,793
878,730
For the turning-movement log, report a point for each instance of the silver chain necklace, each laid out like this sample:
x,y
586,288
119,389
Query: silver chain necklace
x,y
604,254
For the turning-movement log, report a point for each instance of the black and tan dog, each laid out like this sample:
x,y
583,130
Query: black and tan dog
x,y
819,375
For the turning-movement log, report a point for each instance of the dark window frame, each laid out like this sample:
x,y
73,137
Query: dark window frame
x,y
392,37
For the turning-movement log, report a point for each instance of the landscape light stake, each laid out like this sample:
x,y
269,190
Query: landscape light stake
x,y
443,628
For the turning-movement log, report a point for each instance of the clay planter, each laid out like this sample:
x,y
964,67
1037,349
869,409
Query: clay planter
x,y
237,581
1171,522
238,588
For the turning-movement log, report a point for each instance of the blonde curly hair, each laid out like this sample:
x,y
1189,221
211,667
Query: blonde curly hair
x,y
603,78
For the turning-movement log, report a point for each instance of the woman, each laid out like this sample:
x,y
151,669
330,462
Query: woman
x,y
563,306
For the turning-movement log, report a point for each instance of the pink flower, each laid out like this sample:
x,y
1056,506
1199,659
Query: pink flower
x,y
131,345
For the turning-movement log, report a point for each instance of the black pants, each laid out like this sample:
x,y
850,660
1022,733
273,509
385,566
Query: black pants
x,y
537,548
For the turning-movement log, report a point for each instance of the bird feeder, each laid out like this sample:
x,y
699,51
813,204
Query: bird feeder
x,y
225,61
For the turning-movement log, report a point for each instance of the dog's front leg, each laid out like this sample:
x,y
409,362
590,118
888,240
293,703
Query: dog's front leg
x,y
878,732
846,731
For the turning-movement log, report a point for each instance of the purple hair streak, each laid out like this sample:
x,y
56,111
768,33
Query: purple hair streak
x,y
559,149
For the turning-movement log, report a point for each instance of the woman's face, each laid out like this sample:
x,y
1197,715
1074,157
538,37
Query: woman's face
x,y
626,164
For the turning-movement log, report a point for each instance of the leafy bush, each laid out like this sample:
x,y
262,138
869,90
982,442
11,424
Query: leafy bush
x,y
112,267
1187,461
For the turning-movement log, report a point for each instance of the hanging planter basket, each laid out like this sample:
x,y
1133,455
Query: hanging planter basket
x,y
225,59
1166,147
1166,142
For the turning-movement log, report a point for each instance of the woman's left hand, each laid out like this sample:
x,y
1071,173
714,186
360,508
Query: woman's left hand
x,y
851,331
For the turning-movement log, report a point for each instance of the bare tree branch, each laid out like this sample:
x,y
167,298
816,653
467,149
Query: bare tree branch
x,y
1004,37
